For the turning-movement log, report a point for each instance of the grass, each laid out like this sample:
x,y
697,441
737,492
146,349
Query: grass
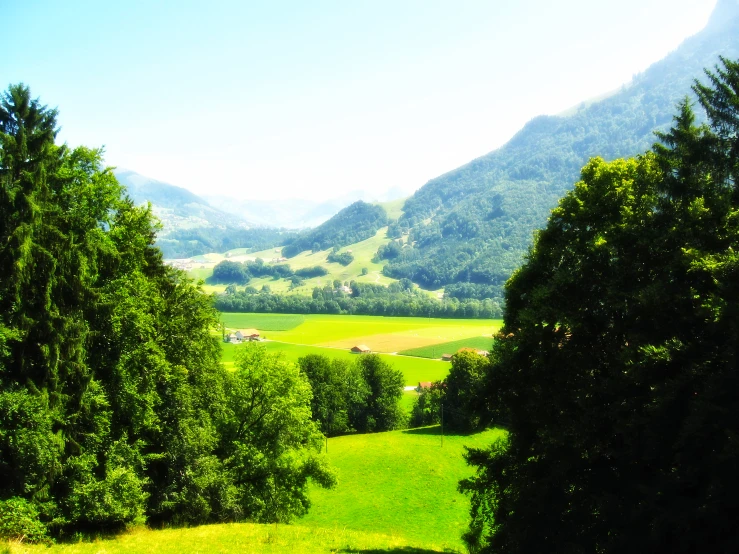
x,y
383,334
436,350
394,208
413,369
397,492
263,322
236,538
400,483
363,253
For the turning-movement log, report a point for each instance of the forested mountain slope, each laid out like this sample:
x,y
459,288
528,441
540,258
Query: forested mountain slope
x,y
357,222
190,225
471,227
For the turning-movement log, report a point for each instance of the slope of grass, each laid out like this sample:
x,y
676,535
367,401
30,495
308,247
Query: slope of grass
x,y
363,253
394,208
436,350
237,538
402,483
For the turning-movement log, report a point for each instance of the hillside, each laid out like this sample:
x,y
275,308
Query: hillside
x,y
190,225
471,227
357,222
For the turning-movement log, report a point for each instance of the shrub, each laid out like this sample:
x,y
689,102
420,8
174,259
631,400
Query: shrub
x,y
19,520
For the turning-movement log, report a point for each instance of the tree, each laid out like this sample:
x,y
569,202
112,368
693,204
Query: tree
x,y
114,406
616,359
271,446
338,389
381,411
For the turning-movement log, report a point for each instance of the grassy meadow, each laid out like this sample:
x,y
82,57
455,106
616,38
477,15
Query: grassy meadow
x,y
436,350
334,335
363,253
381,334
397,491
414,369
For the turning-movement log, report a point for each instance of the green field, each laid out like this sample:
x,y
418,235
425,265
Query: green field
x,y
397,491
436,350
401,483
263,322
414,369
381,334
363,253
334,335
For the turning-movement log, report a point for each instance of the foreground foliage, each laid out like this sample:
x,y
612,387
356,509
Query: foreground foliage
x,y
616,366
114,407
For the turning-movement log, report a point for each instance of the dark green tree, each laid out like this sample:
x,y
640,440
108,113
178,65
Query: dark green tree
x,y
381,411
114,407
616,367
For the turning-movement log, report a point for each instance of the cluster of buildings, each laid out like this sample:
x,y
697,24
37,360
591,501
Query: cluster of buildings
x,y
242,335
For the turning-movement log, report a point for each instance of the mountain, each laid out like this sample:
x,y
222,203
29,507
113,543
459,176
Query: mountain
x,y
470,228
297,213
355,223
190,225
176,207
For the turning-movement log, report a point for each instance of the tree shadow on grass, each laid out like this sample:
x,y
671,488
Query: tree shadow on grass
x,y
397,550
436,430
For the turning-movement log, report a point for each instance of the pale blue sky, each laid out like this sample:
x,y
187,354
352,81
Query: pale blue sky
x,y
312,99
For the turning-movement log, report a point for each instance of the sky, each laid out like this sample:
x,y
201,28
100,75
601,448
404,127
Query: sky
x,y
313,99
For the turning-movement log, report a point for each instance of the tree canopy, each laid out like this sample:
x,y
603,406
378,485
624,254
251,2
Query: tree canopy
x,y
616,367
114,407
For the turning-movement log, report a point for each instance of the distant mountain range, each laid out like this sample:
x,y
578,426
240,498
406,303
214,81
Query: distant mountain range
x,y
470,228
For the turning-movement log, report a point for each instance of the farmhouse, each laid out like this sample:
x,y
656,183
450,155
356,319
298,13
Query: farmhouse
x,y
248,334
423,385
361,349
446,357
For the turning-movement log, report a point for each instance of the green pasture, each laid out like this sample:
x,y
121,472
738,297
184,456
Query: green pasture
x,y
393,334
436,350
402,483
413,369
235,538
397,491
363,253
394,208
263,322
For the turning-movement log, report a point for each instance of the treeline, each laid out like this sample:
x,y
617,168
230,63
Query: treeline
x,y
355,223
365,299
240,273
361,396
186,243
114,406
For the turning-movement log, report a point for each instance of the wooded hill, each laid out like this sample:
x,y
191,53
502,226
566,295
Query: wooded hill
x,y
474,224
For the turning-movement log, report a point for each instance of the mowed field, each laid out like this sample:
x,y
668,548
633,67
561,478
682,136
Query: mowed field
x,y
380,334
414,369
397,491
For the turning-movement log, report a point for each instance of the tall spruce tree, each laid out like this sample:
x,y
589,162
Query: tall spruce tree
x,y
617,364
